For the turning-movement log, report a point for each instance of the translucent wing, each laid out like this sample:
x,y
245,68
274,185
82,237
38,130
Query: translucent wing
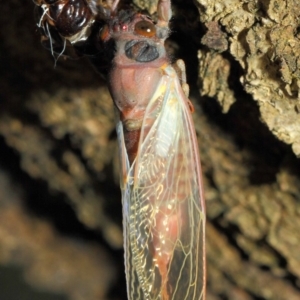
x,y
163,202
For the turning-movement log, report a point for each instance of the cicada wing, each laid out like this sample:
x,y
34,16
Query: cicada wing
x,y
164,200
134,289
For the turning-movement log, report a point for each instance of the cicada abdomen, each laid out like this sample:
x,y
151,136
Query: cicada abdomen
x,y
163,205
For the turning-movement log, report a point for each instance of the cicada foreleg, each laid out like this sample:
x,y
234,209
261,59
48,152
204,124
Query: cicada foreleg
x,y
113,4
179,67
164,13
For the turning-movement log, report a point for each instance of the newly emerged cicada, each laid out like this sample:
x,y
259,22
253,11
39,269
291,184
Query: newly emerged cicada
x,y
162,194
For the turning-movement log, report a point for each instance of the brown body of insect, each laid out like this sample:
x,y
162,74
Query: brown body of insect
x,y
162,194
69,17
67,24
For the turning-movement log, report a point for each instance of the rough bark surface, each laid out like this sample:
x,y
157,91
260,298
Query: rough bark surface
x,y
264,38
60,208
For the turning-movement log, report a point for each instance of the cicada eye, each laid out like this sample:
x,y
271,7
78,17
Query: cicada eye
x,y
145,29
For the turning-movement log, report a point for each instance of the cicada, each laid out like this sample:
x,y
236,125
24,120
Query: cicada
x,y
162,194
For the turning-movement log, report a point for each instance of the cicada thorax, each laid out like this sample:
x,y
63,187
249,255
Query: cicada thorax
x,y
135,70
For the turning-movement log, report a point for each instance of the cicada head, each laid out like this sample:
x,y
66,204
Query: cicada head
x,y
136,36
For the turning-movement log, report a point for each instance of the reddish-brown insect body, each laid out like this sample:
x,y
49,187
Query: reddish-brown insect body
x,y
162,194
65,22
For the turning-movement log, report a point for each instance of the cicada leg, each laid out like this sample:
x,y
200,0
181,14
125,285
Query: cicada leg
x,y
164,13
179,67
113,4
